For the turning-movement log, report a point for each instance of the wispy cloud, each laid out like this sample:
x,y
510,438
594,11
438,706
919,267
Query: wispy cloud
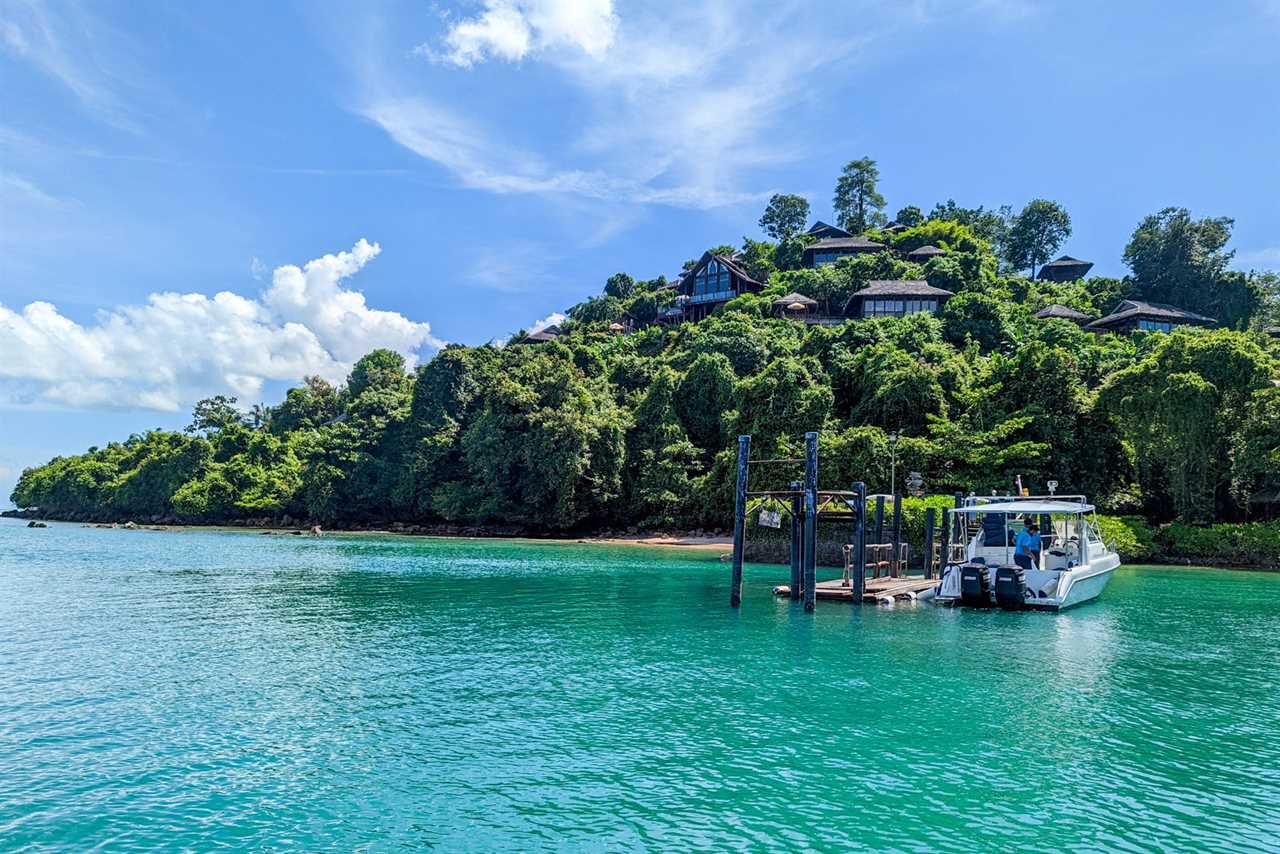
x,y
178,347
18,188
67,44
521,266
684,106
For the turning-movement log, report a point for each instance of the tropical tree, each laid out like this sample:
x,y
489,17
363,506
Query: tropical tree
x,y
620,286
1035,234
858,204
785,216
213,414
1183,261
909,216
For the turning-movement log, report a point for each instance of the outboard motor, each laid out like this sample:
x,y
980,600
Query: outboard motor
x,y
975,586
1011,588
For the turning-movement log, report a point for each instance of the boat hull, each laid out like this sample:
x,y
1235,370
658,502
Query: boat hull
x,y
1075,587
1087,584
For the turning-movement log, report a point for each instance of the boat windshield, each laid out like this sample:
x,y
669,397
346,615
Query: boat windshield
x,y
991,532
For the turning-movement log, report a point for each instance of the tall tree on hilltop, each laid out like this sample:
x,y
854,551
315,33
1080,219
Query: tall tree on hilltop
x,y
214,414
910,216
785,216
857,203
1036,233
1182,261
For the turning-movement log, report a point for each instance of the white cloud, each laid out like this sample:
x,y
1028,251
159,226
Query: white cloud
x,y
179,347
678,106
511,29
555,318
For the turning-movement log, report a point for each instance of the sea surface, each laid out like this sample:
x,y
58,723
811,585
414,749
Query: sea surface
x,y
202,690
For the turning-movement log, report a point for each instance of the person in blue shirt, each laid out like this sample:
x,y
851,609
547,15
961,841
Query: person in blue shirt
x,y
1026,552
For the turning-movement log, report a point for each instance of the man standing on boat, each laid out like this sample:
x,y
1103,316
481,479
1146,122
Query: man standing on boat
x,y
1026,553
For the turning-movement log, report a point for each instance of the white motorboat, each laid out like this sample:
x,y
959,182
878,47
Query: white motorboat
x,y
1075,564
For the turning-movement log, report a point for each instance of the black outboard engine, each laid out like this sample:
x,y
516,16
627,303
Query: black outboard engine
x,y
1011,588
975,586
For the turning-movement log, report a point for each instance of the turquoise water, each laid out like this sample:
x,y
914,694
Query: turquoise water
x,y
194,690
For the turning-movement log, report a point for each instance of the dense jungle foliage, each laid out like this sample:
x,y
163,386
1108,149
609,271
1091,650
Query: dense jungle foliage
x,y
598,429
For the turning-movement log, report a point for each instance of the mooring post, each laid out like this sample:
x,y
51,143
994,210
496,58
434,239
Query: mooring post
x,y
859,541
944,549
928,542
797,538
739,520
810,520
898,568
879,519
957,521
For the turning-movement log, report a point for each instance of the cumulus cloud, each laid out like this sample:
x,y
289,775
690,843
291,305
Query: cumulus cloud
x,y
510,29
179,347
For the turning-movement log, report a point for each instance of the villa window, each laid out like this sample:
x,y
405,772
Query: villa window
x,y
712,283
1155,325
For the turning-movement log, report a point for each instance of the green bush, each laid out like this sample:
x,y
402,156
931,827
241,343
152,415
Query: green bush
x,y
1131,536
1255,544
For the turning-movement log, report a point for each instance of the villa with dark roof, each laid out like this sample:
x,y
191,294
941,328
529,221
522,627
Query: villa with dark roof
x,y
711,283
821,231
542,336
831,249
1061,312
925,253
1064,269
1134,314
896,299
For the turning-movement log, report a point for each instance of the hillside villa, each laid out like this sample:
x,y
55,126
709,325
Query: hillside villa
x,y
716,279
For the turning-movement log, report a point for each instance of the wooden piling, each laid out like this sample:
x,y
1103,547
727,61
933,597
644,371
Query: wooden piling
x,y
896,567
797,538
928,542
860,541
944,550
810,520
739,520
879,519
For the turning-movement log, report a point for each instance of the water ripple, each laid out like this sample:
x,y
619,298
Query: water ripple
x,y
199,690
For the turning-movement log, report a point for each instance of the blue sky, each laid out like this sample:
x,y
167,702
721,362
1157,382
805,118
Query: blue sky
x,y
200,199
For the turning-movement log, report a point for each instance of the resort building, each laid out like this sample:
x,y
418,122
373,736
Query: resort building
x,y
1134,314
925,253
829,250
542,336
821,231
1065,269
896,299
1061,312
711,283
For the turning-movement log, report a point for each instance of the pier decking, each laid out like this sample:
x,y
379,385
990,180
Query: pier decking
x,y
885,588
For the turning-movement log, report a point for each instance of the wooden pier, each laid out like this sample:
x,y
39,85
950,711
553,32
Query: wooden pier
x,y
885,589
864,562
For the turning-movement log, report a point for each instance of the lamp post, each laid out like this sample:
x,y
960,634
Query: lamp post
x,y
893,463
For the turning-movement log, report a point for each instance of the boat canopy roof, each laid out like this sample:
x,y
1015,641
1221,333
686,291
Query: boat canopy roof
x,y
1023,507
